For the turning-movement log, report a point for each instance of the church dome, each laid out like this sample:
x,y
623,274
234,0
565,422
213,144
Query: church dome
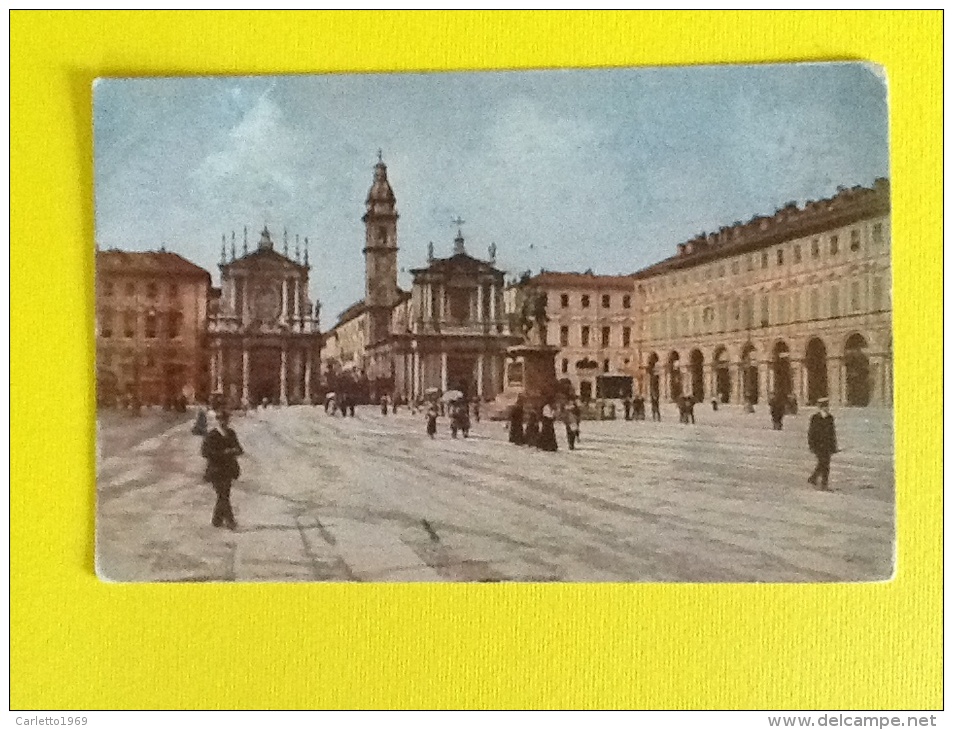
x,y
381,191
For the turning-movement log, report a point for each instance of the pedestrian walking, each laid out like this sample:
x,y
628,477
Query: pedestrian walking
x,y
688,403
572,418
516,423
822,441
638,406
221,450
627,407
200,427
777,406
547,429
459,419
531,434
476,410
656,411
384,405
432,421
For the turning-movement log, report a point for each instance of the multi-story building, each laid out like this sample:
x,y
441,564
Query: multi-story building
x,y
264,339
593,320
797,303
150,327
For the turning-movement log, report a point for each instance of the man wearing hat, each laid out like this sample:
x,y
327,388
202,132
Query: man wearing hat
x,y
822,441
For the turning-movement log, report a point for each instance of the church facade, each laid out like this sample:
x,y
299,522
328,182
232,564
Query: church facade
x,y
448,333
264,341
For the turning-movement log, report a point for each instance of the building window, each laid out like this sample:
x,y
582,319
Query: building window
x,y
855,296
152,325
815,304
835,301
626,336
735,313
876,294
564,335
152,290
795,306
782,308
797,254
565,366
749,262
815,248
175,325
626,301
765,309
833,245
545,299
585,301
606,335
854,239
764,259
585,336
878,233
129,324
780,257
606,301
605,365
106,323
563,300
130,289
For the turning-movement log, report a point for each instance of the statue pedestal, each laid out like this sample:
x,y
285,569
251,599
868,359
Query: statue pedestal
x,y
531,373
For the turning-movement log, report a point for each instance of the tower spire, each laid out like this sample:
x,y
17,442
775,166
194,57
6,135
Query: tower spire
x,y
458,241
245,244
286,243
233,245
223,248
297,248
306,251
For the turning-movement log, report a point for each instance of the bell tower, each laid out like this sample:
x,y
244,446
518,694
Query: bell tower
x,y
380,253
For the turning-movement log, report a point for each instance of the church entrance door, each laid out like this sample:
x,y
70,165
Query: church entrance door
x,y
461,374
264,377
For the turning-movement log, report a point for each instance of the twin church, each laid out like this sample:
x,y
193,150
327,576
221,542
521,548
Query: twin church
x,y
449,332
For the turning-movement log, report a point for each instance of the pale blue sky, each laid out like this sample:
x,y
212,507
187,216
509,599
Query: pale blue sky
x,y
563,170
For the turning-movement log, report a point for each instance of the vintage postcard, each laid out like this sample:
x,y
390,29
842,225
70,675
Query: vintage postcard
x,y
628,325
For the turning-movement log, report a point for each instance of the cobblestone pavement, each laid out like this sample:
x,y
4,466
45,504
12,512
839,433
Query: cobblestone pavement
x,y
371,498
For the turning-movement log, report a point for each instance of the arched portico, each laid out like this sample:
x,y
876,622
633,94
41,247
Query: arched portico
x,y
815,363
856,371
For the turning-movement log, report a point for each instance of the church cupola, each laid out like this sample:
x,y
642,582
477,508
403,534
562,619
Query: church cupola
x,y
380,198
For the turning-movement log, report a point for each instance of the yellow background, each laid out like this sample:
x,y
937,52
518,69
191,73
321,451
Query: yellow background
x,y
81,644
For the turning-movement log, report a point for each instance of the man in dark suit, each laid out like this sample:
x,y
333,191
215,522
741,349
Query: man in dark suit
x,y
822,440
221,449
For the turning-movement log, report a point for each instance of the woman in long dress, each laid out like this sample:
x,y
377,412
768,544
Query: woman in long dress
x,y
431,420
531,437
516,423
547,430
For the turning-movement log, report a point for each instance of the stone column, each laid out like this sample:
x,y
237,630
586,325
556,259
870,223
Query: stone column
x,y
764,382
835,381
443,370
415,375
442,303
307,375
219,368
479,316
493,304
297,301
245,308
245,369
797,380
212,371
283,397
480,376
234,296
284,300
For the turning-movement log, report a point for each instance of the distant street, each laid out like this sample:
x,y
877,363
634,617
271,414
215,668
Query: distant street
x,y
371,498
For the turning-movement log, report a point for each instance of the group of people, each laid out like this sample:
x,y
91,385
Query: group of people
x,y
537,428
459,412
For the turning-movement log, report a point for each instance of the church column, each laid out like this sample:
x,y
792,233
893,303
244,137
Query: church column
x,y
297,302
443,370
415,375
479,312
480,376
284,300
493,305
284,376
307,375
245,311
442,303
233,290
245,401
